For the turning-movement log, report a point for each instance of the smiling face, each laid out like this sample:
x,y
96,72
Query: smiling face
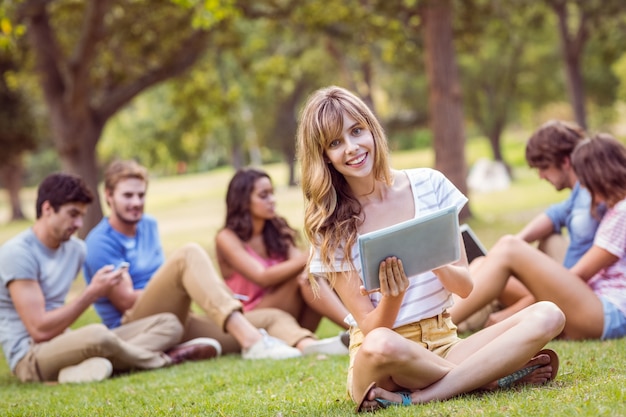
x,y
352,154
262,200
127,201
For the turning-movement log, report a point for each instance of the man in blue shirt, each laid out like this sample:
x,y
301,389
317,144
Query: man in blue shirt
x,y
154,284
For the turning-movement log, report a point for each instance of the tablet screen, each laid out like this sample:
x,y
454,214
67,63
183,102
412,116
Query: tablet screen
x,y
423,243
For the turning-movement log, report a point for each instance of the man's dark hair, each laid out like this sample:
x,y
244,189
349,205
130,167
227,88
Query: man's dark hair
x,y
60,188
552,143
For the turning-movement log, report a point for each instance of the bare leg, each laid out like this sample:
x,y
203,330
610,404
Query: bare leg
x,y
395,363
515,297
555,246
326,303
298,299
286,297
242,330
545,278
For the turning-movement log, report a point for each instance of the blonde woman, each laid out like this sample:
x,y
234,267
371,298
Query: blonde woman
x,y
404,348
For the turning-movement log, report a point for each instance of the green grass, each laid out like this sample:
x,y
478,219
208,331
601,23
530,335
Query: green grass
x,y
591,381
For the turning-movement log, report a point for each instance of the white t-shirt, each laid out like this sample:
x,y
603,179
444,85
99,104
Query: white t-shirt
x,y
426,296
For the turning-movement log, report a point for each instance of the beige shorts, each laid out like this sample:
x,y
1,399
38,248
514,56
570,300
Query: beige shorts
x,y
437,334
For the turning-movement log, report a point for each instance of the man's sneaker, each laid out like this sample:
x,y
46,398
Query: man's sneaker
x,y
270,348
329,346
89,370
195,350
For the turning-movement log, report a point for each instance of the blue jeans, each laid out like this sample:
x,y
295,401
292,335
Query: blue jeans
x,y
614,321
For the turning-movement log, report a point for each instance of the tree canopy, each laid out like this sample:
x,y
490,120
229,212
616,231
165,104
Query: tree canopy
x,y
190,85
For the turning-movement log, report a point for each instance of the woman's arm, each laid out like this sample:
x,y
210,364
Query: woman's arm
x,y
455,277
394,284
592,262
233,256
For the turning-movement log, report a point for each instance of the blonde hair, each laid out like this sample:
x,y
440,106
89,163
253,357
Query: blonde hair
x,y
332,212
122,170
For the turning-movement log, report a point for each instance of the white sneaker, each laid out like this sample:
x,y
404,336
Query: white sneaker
x,y
89,370
329,346
270,348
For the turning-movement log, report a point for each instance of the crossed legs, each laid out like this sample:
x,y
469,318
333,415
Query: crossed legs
x,y
396,363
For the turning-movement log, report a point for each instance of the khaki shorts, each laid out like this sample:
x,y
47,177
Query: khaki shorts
x,y
437,334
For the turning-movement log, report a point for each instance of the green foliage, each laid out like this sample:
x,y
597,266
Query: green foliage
x,y
263,57
619,69
418,139
18,127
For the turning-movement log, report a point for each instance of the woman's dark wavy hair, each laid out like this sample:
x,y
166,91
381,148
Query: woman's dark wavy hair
x,y
278,235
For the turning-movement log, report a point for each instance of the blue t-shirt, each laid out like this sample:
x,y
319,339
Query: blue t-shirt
x,y
24,257
107,246
575,215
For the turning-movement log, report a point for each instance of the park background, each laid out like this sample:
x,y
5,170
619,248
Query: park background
x,y
196,89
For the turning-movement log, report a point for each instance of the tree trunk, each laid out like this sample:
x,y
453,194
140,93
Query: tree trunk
x,y
11,176
444,99
572,47
236,152
80,160
286,125
77,108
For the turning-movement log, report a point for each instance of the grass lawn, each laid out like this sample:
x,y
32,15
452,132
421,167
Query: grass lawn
x,y
591,380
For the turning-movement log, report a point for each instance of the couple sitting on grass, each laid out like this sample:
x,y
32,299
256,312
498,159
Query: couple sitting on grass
x,y
404,347
145,304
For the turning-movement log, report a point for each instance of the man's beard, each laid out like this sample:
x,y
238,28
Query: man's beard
x,y
127,221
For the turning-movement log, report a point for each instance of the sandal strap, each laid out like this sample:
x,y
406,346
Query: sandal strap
x,y
509,380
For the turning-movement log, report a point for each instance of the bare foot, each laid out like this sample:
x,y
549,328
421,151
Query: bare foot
x,y
540,375
546,365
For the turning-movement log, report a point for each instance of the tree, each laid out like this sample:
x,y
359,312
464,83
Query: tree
x,y
577,21
18,132
444,98
89,73
507,59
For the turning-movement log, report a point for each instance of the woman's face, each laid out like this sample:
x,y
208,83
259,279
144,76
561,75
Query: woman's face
x,y
352,154
262,201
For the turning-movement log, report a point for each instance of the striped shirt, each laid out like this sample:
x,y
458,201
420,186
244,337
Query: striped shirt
x,y
610,282
426,296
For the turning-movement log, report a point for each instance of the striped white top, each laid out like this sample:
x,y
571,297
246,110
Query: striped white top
x,y
610,282
426,296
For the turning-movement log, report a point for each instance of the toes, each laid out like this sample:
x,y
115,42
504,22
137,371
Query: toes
x,y
542,359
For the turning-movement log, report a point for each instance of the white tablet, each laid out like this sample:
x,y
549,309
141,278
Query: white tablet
x,y
423,243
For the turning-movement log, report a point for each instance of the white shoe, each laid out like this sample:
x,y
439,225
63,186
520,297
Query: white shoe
x,y
329,346
270,348
89,370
